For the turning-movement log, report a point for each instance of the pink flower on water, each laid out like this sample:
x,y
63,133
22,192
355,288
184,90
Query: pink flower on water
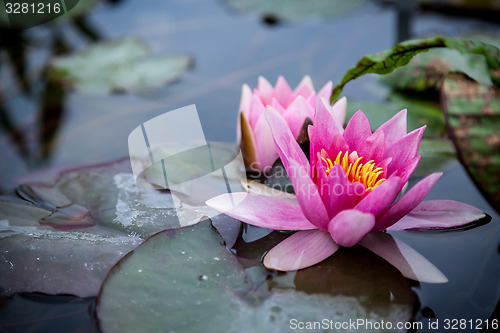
x,y
254,134
347,193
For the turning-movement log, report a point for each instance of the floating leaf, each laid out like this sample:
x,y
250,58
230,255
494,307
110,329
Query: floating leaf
x,y
387,61
472,111
70,232
191,283
296,10
117,66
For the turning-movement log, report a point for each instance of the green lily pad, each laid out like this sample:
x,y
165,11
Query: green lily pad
x,y
472,111
192,283
118,66
387,61
75,223
297,10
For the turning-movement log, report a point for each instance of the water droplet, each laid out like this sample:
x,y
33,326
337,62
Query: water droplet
x,y
216,258
202,277
37,258
183,252
139,270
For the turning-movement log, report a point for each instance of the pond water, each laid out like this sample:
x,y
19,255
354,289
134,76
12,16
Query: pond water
x,y
45,126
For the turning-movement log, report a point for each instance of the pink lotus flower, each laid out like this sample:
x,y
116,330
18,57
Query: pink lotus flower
x,y
296,107
346,194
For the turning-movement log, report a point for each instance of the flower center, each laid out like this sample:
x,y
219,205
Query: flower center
x,y
356,171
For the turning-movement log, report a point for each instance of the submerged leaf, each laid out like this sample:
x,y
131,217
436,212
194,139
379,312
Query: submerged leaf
x,y
117,66
192,283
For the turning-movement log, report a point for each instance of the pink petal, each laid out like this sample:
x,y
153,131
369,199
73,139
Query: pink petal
x,y
296,114
308,196
372,148
341,193
339,111
408,261
288,148
277,106
326,91
283,92
381,198
246,96
357,130
325,128
304,89
350,226
256,110
394,129
301,250
406,170
265,90
404,149
438,214
408,202
297,167
267,153
261,210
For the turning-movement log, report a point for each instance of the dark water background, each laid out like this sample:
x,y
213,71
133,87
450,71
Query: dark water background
x,y
229,49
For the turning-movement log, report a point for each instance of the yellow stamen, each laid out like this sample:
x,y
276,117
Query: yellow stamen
x,y
365,173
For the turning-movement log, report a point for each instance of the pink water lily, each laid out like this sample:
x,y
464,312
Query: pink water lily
x,y
254,134
347,193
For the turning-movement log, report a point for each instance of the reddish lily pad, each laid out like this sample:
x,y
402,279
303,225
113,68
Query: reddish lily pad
x,y
192,283
472,111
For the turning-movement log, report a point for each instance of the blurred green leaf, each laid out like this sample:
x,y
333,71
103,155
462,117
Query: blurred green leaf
x,y
472,111
386,61
117,66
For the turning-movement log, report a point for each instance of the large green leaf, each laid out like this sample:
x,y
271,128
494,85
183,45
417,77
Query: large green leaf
x,y
118,66
427,71
189,282
386,61
473,114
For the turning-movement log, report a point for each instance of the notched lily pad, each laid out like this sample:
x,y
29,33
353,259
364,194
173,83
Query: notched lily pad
x,y
118,66
192,283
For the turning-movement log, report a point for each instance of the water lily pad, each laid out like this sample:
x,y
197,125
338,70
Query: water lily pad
x,y
473,116
71,228
118,66
192,283
297,10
